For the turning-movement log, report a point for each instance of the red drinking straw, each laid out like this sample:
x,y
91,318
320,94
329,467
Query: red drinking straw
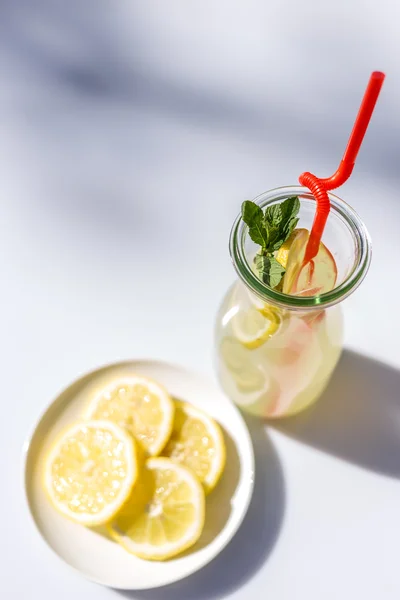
x,y
319,187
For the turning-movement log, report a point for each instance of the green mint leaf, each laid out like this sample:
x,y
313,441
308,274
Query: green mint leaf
x,y
272,222
291,225
283,235
280,220
276,272
253,216
273,215
290,208
270,271
275,239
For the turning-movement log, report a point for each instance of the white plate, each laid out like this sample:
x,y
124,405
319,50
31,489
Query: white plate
x,y
90,551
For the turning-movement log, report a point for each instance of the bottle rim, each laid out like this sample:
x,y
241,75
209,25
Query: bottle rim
x,y
346,214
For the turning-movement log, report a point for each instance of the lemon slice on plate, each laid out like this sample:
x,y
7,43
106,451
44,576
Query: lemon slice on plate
x,y
141,406
165,513
198,443
90,471
253,328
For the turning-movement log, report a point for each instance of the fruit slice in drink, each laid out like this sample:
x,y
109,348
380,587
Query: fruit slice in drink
x,y
316,277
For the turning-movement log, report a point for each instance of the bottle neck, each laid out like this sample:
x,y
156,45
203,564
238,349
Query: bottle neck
x,y
345,236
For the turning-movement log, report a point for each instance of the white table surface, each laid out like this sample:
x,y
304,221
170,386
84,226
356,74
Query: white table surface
x,y
130,134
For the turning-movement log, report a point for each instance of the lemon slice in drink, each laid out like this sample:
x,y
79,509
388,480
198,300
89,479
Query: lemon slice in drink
x,y
198,443
253,386
234,355
254,327
90,471
282,256
165,513
141,406
246,377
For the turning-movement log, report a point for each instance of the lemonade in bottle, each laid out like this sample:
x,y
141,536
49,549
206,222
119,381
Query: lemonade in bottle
x,y
277,346
279,330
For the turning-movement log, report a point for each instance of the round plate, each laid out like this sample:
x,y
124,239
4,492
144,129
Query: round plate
x,y
91,551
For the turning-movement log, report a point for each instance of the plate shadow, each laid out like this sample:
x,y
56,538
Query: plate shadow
x,y
252,544
218,502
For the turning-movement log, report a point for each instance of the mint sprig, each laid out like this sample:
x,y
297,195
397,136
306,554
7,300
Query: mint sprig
x,y
270,230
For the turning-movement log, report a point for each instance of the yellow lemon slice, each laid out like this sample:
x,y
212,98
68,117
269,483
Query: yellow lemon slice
x,y
139,405
165,513
198,443
90,471
282,256
253,327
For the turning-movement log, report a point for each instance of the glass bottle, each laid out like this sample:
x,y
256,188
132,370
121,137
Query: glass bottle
x,y
286,368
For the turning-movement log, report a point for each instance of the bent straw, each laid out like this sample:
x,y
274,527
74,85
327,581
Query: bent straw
x,y
319,187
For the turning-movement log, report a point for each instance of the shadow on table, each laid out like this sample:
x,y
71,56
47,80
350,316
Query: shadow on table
x,y
357,418
250,547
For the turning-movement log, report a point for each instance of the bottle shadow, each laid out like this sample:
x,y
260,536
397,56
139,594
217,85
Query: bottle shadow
x,y
252,544
358,416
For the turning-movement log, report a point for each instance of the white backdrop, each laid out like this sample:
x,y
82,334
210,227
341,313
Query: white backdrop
x,y
130,134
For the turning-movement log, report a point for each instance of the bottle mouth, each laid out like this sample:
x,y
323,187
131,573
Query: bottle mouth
x,y
345,236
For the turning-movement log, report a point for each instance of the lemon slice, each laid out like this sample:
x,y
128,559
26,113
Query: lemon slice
x,y
253,327
165,513
251,380
250,386
246,376
282,256
90,471
253,386
198,443
235,357
139,405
